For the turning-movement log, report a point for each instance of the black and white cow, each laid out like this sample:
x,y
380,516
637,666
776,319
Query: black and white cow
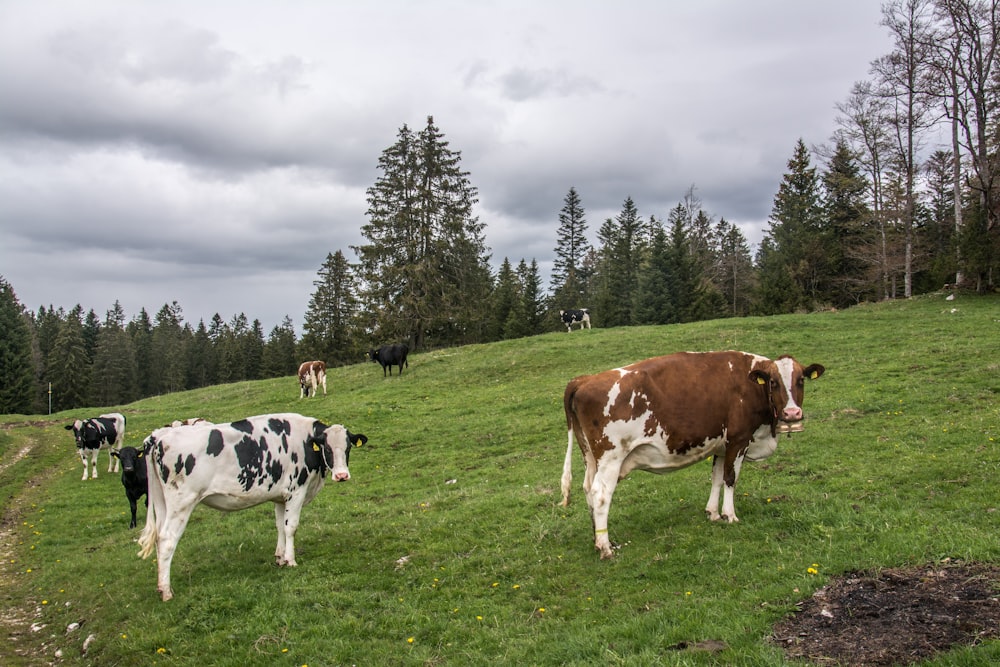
x,y
281,458
94,434
389,356
571,317
133,476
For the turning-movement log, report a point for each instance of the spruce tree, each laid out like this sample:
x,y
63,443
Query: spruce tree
x,y
280,357
69,365
569,280
114,378
504,299
330,331
16,371
848,219
425,266
798,239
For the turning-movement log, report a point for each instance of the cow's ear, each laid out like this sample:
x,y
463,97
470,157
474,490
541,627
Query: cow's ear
x,y
357,439
814,371
759,376
69,427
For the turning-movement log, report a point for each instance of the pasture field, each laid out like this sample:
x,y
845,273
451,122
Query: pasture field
x,y
448,546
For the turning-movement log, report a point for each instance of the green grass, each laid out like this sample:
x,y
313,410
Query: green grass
x,y
898,465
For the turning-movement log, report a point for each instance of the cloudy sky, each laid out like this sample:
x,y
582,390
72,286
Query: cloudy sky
x,y
213,152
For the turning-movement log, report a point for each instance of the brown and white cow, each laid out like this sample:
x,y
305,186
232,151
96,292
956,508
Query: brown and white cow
x,y
668,412
311,375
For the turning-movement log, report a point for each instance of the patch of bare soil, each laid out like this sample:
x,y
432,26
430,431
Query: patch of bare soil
x,y
895,616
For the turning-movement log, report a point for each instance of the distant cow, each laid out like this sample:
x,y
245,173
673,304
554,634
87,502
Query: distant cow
x,y
669,412
571,317
311,375
389,356
133,476
92,435
281,458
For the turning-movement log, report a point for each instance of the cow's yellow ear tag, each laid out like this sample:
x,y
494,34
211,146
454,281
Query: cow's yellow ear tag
x,y
814,375
760,381
315,447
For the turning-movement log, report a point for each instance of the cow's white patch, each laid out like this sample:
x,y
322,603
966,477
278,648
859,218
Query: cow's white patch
x,y
763,444
785,369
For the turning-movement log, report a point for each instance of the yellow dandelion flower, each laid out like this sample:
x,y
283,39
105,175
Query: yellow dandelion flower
x,y
479,618
516,586
161,650
409,640
541,610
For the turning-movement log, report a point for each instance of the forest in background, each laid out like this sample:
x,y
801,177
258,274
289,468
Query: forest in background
x,y
881,211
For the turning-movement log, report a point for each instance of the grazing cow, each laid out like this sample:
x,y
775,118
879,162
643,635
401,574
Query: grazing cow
x,y
669,412
312,374
389,356
93,434
133,476
281,458
571,317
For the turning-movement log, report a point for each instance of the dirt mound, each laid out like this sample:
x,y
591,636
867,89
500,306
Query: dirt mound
x,y
895,616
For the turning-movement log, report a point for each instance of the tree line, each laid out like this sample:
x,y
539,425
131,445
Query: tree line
x,y
873,214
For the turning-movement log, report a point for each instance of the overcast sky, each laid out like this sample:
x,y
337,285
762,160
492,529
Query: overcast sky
x,y
213,152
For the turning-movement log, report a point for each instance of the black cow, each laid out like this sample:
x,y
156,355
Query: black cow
x,y
93,434
389,356
571,317
133,477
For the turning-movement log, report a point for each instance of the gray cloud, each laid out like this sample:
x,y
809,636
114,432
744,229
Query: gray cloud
x,y
152,152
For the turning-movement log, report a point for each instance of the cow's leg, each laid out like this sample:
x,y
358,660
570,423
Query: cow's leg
x,y
712,508
287,525
729,490
113,461
567,476
279,524
132,505
170,532
93,463
602,488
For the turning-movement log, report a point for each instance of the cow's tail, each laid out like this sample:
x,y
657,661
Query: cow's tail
x,y
156,509
567,474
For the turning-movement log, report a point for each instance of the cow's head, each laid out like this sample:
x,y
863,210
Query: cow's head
x,y
373,355
85,431
334,444
783,381
130,457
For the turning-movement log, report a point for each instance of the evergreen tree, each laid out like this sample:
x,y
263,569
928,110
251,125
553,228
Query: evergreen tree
x,y
114,376
525,319
91,331
202,366
654,296
68,363
505,297
253,351
168,365
16,371
140,331
624,242
233,366
425,267
569,280
798,240
734,269
280,358
330,328
848,218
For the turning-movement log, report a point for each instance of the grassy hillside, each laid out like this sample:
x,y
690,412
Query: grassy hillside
x,y
448,547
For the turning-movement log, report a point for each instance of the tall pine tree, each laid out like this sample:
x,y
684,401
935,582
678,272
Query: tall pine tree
x,y
16,372
569,278
425,266
330,331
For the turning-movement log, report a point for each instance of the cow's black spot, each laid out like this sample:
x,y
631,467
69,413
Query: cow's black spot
x,y
189,463
179,465
243,425
280,426
215,442
250,456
